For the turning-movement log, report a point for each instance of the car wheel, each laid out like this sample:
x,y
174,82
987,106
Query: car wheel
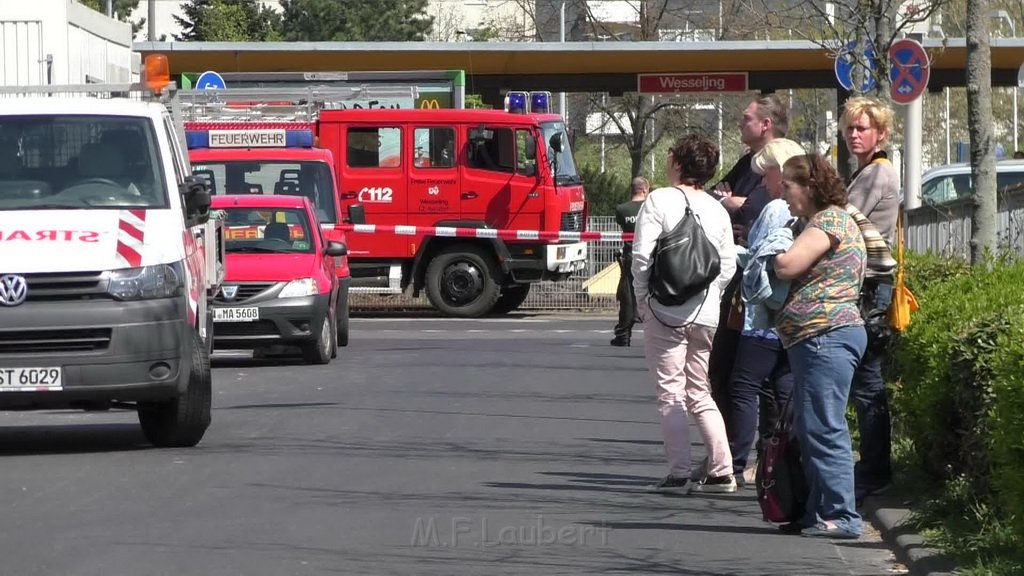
x,y
461,281
319,351
343,315
182,421
334,336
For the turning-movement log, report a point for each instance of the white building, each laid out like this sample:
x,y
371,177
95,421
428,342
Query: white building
x,y
62,42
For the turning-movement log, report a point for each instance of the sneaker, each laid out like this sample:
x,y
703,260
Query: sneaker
x,y
716,484
673,485
700,471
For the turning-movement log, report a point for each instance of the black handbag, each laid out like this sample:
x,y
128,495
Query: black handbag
x,y
684,262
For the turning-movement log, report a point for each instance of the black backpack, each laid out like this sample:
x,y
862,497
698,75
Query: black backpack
x,y
684,262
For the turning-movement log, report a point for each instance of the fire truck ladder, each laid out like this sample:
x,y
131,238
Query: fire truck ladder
x,y
279,104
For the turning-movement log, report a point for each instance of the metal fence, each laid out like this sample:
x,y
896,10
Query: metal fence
x,y
946,229
569,295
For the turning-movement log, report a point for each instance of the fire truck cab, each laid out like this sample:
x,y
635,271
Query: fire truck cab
x,y
236,158
457,168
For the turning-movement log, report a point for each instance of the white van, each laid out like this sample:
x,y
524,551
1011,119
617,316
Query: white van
x,y
107,258
944,184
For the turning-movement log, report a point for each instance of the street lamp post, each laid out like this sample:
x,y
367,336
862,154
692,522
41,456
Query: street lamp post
x,y
561,95
1004,15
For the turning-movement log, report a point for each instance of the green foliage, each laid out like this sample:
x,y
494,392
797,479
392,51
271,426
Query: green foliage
x,y
959,399
355,20
605,190
122,8
228,21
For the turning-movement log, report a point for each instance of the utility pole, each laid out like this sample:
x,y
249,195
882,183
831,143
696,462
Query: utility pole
x,y
151,21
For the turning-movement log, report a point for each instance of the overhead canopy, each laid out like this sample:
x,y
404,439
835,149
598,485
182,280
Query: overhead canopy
x,y
571,66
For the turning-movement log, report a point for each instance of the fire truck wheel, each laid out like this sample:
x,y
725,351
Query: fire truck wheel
x,y
512,297
319,351
461,282
181,422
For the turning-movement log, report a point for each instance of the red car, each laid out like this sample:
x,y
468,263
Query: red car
x,y
281,286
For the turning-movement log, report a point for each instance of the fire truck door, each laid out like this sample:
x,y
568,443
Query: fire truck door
x,y
500,184
434,177
373,176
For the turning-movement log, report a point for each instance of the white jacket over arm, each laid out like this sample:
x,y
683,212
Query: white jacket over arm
x,y
662,211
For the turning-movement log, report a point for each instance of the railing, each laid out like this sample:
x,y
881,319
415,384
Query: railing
x,y
946,229
568,295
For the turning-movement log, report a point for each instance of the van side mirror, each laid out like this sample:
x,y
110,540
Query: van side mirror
x,y
336,249
195,193
556,142
356,214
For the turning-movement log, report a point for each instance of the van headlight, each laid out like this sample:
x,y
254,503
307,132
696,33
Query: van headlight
x,y
300,287
147,282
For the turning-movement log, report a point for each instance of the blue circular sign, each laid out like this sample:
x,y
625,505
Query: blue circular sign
x,y
210,80
844,67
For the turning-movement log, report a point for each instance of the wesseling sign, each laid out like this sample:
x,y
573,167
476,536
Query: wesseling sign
x,y
692,82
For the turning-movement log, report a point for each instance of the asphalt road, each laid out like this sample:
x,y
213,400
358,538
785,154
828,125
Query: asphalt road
x,y
441,447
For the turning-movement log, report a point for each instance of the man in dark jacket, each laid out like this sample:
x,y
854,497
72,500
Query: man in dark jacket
x,y
625,217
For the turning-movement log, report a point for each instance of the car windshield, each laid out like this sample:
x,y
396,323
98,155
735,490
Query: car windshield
x,y
79,161
566,173
267,230
311,179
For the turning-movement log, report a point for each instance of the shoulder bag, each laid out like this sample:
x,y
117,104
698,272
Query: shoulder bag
x,y
782,489
904,303
684,262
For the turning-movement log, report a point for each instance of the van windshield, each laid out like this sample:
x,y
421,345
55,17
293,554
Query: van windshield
x,y
79,161
566,164
311,179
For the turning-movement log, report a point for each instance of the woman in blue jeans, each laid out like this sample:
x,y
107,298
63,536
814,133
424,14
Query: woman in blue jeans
x,y
821,328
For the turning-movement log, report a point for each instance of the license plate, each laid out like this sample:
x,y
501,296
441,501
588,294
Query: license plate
x,y
248,314
31,379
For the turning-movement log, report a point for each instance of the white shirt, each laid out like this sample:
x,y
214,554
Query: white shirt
x,y
662,211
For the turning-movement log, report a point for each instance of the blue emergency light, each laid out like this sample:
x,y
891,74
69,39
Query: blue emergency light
x,y
249,138
517,102
540,102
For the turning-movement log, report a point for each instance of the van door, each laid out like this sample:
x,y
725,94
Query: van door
x,y
500,182
433,177
373,175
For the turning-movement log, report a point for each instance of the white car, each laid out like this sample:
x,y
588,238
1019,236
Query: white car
x,y
944,184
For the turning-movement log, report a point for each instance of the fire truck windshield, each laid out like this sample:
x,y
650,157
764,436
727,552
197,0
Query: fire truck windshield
x,y
311,179
566,164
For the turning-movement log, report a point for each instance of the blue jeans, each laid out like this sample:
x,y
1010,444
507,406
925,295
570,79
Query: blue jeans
x,y
760,370
823,368
874,469
870,398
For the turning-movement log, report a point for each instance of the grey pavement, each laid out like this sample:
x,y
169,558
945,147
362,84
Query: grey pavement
x,y
514,446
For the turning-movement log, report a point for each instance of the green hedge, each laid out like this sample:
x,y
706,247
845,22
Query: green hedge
x,y
958,392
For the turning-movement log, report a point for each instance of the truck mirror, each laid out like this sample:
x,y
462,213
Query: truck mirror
x,y
196,196
556,142
356,214
336,249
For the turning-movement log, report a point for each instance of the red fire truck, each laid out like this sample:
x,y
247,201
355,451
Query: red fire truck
x,y
484,169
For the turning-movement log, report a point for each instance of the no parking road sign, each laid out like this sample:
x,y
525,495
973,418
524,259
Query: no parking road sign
x,y
909,71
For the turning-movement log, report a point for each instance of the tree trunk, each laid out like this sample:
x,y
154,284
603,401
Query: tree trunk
x,y
979,122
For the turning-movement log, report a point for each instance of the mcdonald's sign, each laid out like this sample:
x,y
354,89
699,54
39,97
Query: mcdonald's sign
x,y
433,100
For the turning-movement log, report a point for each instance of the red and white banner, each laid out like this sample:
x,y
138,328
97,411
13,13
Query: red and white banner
x,y
452,232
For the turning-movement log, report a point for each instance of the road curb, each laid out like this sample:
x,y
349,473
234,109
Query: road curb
x,y
890,518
